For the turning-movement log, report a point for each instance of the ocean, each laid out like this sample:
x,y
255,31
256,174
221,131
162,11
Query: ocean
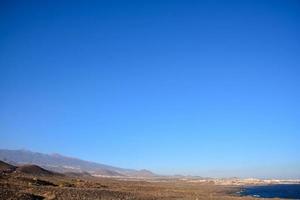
x,y
288,191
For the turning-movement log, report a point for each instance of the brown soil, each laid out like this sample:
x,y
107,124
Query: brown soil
x,y
28,186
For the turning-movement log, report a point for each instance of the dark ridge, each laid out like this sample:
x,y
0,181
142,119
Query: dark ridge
x,y
5,167
35,170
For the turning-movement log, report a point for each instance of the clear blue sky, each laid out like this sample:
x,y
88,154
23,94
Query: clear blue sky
x,y
192,87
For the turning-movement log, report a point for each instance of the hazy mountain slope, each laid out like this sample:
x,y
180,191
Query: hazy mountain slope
x,y
61,163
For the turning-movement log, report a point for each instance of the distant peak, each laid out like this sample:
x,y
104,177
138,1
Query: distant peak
x,y
25,150
144,170
56,155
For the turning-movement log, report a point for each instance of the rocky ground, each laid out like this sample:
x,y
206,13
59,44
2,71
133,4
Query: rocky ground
x,y
32,182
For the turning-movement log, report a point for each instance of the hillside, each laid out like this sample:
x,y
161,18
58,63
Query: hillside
x,y
32,182
5,167
34,170
62,164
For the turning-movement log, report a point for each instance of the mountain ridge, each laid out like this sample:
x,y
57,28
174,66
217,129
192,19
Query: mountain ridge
x,y
60,163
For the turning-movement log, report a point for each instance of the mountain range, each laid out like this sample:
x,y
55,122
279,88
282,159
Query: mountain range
x,y
64,164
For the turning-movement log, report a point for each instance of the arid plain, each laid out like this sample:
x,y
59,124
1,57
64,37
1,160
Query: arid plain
x,y
30,182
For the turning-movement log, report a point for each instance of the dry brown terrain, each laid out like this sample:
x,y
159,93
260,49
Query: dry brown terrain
x,y
32,182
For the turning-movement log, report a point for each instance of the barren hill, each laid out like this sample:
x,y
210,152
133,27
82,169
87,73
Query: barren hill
x,y
63,164
5,167
34,170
